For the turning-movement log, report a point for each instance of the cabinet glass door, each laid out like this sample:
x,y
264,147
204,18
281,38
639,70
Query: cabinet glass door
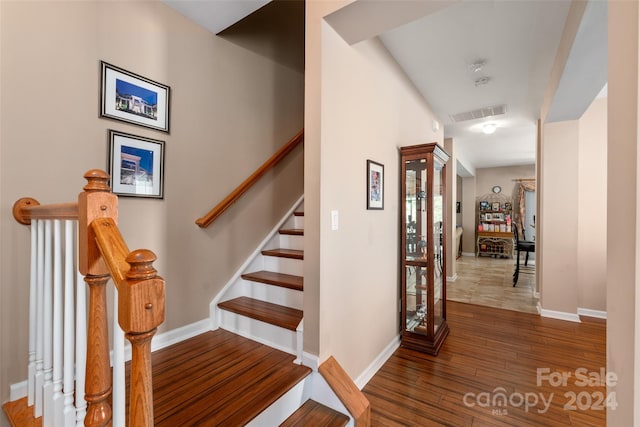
x,y
416,261
438,237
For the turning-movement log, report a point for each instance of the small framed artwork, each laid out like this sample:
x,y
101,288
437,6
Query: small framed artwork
x,y
495,206
488,217
134,99
498,217
484,205
458,207
375,185
136,165
507,206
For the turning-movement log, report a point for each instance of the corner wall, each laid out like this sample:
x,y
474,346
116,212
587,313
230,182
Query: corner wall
x,y
366,109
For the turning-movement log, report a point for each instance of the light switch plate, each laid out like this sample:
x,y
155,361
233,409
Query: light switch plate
x,y
334,220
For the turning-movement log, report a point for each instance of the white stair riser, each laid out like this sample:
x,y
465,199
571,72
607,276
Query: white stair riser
x,y
264,292
283,265
298,222
265,333
291,242
286,405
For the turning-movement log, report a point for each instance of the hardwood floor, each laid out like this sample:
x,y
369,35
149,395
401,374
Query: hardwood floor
x,y
489,282
491,353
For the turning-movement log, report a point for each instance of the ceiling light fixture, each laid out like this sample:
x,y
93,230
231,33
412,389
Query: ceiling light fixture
x,y
482,81
489,128
477,65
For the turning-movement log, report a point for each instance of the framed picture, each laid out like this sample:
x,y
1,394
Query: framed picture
x,y
458,207
488,217
134,99
495,206
375,185
507,206
136,165
484,205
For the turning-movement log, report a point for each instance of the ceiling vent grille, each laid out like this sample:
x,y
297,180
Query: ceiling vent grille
x,y
480,113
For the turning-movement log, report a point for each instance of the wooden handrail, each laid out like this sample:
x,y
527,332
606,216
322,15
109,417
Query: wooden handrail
x,y
214,213
27,208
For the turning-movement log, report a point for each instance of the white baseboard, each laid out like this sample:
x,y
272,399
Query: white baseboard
x,y
592,313
468,254
452,278
165,339
377,363
560,315
18,390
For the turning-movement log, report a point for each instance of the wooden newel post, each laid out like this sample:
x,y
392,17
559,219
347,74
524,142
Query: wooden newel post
x,y
96,202
140,312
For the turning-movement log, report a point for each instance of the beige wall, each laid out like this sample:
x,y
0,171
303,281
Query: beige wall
x,y
559,288
592,207
230,110
368,108
623,305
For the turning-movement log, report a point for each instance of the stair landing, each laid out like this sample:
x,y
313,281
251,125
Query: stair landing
x,y
219,378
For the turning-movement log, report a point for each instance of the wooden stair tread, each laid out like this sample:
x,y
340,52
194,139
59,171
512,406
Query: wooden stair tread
x,y
312,413
219,378
279,315
292,231
298,213
19,414
284,253
288,281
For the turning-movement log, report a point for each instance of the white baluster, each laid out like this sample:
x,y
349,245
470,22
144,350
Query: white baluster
x,y
58,337
31,375
118,395
39,322
81,349
47,415
69,412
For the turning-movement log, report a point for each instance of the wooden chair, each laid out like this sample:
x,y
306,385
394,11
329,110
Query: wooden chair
x,y
526,246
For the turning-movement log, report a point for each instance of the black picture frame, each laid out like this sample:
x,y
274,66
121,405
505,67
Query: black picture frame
x,y
132,98
136,165
375,185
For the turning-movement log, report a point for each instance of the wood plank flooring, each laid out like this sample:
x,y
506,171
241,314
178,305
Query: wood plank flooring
x,y
490,352
219,379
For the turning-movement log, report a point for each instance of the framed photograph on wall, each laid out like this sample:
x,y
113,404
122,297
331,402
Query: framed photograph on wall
x,y
375,185
136,165
134,99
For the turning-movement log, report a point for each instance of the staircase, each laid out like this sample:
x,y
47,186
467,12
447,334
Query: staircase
x,y
263,301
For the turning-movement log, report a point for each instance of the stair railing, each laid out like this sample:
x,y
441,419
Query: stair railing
x,y
68,350
226,203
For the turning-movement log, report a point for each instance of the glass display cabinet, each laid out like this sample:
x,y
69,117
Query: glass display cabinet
x,y
423,275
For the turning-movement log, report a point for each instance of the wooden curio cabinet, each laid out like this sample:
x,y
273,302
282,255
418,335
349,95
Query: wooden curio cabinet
x,y
422,263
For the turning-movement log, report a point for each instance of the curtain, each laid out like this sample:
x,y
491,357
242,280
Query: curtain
x,y
528,185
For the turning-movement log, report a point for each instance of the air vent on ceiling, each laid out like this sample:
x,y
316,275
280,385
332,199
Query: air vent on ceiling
x,y
480,113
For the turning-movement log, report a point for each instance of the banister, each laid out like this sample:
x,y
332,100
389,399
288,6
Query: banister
x,y
103,254
219,209
27,208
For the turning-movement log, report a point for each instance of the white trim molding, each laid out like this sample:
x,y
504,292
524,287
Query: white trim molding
x,y
560,315
468,254
587,312
377,363
452,278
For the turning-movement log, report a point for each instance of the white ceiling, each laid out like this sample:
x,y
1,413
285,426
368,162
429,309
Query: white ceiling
x,y
435,42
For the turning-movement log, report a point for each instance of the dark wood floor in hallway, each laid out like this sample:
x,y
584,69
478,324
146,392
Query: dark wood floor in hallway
x,y
539,368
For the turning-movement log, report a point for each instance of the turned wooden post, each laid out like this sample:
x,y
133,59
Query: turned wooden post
x,y
95,202
140,312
